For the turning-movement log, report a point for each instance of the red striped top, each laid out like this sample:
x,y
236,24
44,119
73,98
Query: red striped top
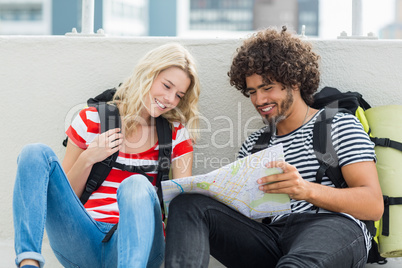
x,y
102,204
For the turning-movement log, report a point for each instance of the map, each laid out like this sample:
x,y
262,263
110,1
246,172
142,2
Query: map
x,y
236,185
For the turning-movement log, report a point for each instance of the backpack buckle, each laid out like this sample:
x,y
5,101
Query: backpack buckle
x,y
384,142
386,200
387,142
108,161
91,186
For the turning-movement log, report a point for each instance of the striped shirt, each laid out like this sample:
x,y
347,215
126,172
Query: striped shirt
x,y
102,204
350,142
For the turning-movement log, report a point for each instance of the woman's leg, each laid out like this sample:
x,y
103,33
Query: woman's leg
x,y
43,196
140,231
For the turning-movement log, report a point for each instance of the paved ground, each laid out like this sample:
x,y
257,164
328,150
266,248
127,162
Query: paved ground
x,y
7,258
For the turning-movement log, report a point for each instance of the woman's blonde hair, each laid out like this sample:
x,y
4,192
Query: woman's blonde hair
x,y
131,94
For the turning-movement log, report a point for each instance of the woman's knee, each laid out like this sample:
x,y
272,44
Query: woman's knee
x,y
33,151
135,186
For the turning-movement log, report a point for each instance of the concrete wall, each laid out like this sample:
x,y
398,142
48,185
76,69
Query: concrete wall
x,y
44,81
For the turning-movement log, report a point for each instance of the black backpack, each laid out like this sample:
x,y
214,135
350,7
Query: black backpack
x,y
109,119
333,101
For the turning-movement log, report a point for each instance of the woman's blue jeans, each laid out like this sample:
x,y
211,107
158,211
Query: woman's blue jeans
x,y
43,197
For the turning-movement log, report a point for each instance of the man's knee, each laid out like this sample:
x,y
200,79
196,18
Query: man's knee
x,y
192,205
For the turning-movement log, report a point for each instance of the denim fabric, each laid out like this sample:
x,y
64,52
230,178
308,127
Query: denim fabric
x,y
43,198
199,226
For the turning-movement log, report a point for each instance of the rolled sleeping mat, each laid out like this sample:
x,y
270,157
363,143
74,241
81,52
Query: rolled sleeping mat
x,y
386,122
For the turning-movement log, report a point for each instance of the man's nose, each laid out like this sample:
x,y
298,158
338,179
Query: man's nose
x,y
260,97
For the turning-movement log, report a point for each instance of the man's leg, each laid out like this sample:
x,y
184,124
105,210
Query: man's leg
x,y
322,240
199,226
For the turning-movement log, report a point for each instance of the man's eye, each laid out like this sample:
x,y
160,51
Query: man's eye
x,y
267,88
251,92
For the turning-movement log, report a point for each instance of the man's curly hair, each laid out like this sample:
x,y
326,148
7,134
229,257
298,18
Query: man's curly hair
x,y
279,56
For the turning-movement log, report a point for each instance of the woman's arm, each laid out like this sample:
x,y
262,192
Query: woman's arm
x,y
182,167
77,163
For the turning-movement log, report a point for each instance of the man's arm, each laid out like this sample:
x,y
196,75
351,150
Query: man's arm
x,y
363,199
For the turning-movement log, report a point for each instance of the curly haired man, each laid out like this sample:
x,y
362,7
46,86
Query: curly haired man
x,y
280,73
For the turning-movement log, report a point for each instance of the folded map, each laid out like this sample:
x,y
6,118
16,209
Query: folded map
x,y
236,185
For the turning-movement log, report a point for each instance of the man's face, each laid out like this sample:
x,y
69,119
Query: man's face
x,y
272,101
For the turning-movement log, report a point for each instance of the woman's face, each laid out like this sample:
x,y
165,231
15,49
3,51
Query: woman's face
x,y
166,91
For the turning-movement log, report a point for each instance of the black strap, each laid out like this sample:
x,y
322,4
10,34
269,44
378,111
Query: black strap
x,y
263,141
385,142
109,118
324,149
165,150
136,169
109,234
385,217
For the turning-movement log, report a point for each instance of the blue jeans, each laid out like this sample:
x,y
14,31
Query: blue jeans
x,y
43,197
199,226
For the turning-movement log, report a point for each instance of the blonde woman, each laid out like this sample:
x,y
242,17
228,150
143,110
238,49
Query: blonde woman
x,y
46,194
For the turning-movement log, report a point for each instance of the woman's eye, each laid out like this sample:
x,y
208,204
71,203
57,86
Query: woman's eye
x,y
180,97
166,86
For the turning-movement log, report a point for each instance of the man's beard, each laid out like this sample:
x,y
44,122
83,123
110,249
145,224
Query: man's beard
x,y
272,121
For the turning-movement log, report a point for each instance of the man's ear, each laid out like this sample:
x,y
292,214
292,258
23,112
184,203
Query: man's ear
x,y
296,87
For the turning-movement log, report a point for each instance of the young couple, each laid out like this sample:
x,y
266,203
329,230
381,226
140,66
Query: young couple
x,y
279,73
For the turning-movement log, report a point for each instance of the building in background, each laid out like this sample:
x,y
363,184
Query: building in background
x,y
211,18
308,15
115,17
394,30
164,17
28,17
184,18
275,13
57,17
223,15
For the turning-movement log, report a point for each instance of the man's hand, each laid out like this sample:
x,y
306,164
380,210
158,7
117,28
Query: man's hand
x,y
289,182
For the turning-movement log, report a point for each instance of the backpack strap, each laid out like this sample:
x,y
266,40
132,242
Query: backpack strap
x,y
109,118
164,133
263,141
324,149
165,151
385,218
326,155
385,142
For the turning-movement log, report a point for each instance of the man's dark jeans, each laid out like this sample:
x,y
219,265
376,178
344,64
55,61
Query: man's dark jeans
x,y
199,226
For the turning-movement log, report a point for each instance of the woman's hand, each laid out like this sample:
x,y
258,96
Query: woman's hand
x,y
78,162
104,145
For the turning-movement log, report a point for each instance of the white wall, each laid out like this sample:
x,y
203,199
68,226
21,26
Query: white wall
x,y
45,80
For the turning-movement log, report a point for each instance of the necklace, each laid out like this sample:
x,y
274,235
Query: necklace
x,y
305,117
